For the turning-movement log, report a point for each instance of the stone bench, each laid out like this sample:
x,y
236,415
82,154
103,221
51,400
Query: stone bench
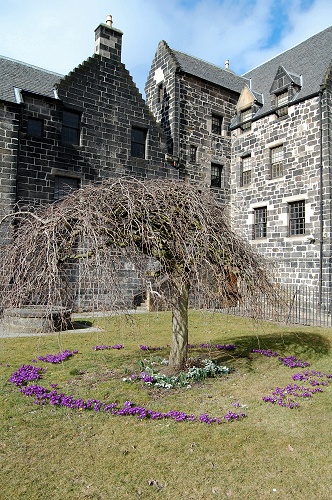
x,y
36,319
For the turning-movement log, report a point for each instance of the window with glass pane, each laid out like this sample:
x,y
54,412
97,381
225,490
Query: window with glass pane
x,y
35,127
246,115
193,153
71,121
138,140
296,218
277,156
282,100
63,186
260,222
217,175
246,171
160,92
216,124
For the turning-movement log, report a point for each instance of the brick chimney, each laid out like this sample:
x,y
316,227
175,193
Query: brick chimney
x,y
108,40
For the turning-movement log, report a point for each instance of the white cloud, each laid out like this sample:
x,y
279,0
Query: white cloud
x,y
59,35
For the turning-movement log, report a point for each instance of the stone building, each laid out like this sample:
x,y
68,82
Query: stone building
x,y
262,142
58,133
194,101
281,161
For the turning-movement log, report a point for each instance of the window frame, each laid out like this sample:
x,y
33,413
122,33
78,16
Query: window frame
x,y
296,218
216,124
192,153
160,92
217,175
31,129
59,191
138,142
282,100
277,161
246,114
71,128
245,171
260,223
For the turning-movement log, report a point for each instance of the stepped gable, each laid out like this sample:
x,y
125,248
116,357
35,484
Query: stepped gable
x,y
209,72
25,77
310,60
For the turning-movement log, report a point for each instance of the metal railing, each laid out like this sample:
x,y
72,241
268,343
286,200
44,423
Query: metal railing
x,y
301,305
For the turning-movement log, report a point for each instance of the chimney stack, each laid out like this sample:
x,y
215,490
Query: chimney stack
x,y
108,40
227,64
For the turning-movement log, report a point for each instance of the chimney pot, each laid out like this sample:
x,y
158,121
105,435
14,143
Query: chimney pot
x,y
109,21
227,64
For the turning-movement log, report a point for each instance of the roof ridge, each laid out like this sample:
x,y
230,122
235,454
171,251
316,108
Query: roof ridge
x,y
286,51
31,66
207,62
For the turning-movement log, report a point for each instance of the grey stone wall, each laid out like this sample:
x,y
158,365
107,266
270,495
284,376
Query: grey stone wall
x,y
110,103
326,244
185,113
164,103
199,101
9,140
298,132
103,92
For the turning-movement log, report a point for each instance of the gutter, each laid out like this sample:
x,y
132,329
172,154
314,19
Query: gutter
x,y
321,211
177,159
273,111
18,153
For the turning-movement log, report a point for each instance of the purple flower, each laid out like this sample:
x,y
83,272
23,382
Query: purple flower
x,y
289,361
281,395
57,358
25,374
292,362
101,347
267,353
149,348
147,378
43,395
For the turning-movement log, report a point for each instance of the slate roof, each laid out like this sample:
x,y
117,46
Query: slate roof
x,y
26,77
310,59
209,72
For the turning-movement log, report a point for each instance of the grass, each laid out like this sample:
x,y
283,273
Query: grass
x,y
58,453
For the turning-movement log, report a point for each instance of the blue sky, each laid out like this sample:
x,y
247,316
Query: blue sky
x,y
60,35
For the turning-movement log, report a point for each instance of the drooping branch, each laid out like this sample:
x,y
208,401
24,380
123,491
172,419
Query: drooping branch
x,y
164,228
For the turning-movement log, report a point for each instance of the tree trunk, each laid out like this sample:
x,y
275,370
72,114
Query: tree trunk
x,y
179,349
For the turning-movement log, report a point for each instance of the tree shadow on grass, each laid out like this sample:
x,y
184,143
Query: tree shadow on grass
x,y
307,346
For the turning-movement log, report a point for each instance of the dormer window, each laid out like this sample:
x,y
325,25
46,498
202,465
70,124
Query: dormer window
x,y
247,107
246,115
285,87
282,103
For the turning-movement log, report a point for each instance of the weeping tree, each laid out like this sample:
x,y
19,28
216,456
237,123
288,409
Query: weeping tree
x,y
172,232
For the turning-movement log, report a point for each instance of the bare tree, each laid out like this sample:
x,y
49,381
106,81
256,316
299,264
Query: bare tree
x,y
167,229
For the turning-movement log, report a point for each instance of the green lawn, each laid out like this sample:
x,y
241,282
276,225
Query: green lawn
x,y
52,452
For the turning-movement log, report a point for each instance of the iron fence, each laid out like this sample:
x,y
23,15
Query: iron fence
x,y
301,305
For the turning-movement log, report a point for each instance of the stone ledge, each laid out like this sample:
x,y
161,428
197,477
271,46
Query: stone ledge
x,y
36,319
